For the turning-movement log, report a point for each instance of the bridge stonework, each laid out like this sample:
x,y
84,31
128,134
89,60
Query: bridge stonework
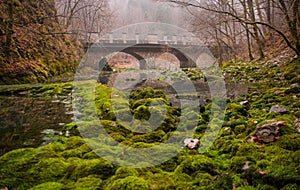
x,y
145,48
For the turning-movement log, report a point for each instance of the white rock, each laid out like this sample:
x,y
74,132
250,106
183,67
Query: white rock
x,y
191,143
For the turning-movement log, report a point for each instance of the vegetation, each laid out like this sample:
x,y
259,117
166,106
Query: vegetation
x,y
233,162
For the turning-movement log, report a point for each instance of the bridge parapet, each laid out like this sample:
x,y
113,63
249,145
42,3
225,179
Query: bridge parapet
x,y
166,39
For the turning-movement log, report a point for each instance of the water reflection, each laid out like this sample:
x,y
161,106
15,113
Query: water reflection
x,y
23,119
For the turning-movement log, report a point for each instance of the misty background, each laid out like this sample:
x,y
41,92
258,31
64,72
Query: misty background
x,y
135,11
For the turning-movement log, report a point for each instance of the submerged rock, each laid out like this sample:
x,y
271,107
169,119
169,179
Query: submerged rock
x,y
191,143
278,109
269,132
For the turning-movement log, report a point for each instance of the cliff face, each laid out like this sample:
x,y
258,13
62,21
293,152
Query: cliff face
x,y
32,46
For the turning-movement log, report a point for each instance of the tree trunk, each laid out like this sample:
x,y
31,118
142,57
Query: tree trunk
x,y
268,12
247,32
255,29
259,13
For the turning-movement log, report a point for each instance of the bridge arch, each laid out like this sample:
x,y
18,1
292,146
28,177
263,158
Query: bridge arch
x,y
141,53
141,59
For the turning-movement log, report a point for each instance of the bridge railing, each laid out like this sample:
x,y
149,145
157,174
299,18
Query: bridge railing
x,y
150,39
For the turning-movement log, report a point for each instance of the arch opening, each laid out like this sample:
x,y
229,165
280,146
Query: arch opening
x,y
167,61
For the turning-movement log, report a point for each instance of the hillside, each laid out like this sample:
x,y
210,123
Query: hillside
x,y
32,47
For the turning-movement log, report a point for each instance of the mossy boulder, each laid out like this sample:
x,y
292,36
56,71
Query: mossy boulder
x,y
15,164
196,164
131,182
48,169
84,168
48,186
88,183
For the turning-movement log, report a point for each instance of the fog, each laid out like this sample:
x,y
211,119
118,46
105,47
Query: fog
x,y
135,11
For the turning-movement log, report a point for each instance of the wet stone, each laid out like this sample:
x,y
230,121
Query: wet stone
x,y
278,109
269,132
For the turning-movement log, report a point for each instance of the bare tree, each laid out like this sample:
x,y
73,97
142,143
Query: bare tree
x,y
289,9
85,18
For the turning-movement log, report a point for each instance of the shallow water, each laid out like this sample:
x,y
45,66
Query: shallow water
x,y
23,120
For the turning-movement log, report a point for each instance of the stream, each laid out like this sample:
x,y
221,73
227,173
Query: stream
x,y
31,121
28,121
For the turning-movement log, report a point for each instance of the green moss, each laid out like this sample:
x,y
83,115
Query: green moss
x,y
237,163
131,182
239,129
36,89
72,128
84,168
285,166
195,164
73,164
289,142
73,142
291,70
266,187
162,181
293,186
150,137
142,113
246,187
122,172
76,152
88,183
15,164
234,122
49,169
234,109
48,186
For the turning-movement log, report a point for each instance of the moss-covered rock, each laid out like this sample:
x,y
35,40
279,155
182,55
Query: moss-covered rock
x,y
195,164
84,168
48,186
88,183
131,182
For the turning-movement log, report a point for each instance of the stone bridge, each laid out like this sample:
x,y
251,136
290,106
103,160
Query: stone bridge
x,y
144,47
